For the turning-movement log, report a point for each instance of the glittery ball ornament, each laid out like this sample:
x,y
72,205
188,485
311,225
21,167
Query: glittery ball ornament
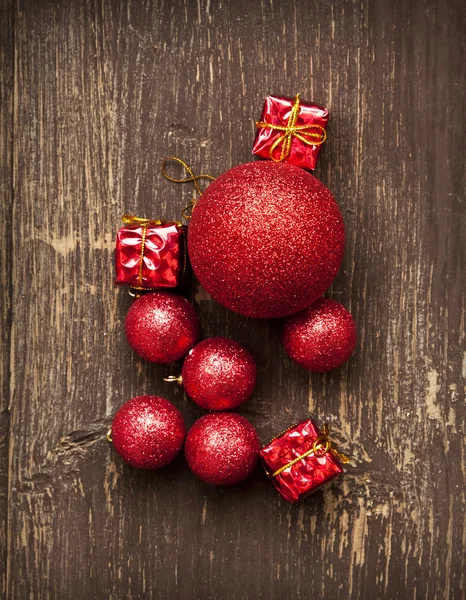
x,y
222,448
320,338
161,327
266,239
219,374
148,432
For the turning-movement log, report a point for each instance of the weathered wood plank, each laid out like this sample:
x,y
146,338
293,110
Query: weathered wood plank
x,y
105,90
6,239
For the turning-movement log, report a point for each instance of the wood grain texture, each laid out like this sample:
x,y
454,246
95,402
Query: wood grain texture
x,y
103,92
6,207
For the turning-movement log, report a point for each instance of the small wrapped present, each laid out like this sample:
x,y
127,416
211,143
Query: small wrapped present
x,y
150,255
301,459
291,131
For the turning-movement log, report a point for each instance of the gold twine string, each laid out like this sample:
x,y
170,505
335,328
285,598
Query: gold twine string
x,y
320,447
311,135
192,177
141,257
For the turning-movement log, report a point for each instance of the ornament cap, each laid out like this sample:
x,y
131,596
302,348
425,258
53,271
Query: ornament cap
x,y
174,379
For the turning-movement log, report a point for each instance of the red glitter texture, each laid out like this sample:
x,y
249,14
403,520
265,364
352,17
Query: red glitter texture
x,y
222,448
161,327
306,475
320,338
219,374
148,432
266,239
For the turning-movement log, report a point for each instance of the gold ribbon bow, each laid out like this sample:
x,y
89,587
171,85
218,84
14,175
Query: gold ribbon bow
x,y
132,220
310,135
320,447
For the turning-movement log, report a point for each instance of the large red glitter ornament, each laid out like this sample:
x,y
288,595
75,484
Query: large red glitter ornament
x,y
219,374
320,338
161,327
266,239
148,432
222,448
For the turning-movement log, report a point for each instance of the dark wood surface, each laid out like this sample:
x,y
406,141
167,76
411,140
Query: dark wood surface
x,y
94,94
6,266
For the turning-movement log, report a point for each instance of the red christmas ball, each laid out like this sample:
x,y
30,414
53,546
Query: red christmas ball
x,y
148,432
266,239
222,448
161,327
219,374
320,338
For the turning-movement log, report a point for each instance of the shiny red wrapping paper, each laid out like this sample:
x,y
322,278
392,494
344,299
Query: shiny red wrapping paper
x,y
150,256
306,475
277,111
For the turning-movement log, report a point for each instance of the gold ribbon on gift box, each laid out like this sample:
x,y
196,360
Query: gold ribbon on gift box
x,y
145,224
320,446
133,220
310,135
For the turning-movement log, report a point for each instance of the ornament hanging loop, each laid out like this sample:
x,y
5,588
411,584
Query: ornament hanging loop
x,y
174,379
136,293
191,177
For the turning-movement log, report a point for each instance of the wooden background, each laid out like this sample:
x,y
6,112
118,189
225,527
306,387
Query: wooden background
x,y
94,94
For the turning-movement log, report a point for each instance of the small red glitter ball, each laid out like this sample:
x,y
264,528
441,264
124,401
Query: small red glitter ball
x,y
161,327
219,374
320,338
266,239
222,448
148,432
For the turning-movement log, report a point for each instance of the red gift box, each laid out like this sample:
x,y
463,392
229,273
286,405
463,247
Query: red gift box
x,y
150,254
291,131
301,459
